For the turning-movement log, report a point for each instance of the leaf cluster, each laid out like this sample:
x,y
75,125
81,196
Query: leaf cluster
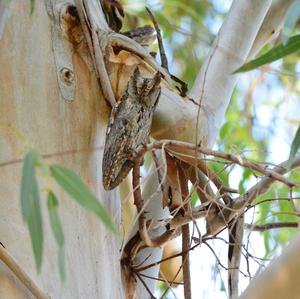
x,y
71,183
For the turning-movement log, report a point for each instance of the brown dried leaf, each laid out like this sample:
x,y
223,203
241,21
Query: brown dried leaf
x,y
173,189
197,161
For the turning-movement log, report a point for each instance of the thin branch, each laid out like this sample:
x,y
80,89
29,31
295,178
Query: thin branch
x,y
169,284
202,187
145,285
186,261
139,203
180,220
163,56
219,261
55,154
209,173
160,279
236,232
91,36
268,226
258,189
165,259
269,173
227,213
12,264
158,168
185,234
264,184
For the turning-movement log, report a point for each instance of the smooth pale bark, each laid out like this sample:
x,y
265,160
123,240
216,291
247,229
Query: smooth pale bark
x,y
280,279
215,82
271,25
30,102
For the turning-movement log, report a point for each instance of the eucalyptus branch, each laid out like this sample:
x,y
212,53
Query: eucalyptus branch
x,y
269,173
202,187
271,25
225,215
186,261
221,221
268,226
12,264
264,184
214,83
137,194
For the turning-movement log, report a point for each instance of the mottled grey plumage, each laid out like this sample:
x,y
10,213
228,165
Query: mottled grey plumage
x,y
145,35
129,127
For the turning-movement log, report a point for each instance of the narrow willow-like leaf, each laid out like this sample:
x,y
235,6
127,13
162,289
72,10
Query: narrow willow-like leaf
x,y
56,226
61,262
73,185
291,19
30,203
276,53
28,178
32,3
294,148
55,222
36,231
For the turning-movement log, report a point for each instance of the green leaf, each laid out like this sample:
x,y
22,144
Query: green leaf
x,y
30,204
74,186
32,3
54,219
61,263
294,148
225,130
291,19
194,199
36,231
55,223
267,239
28,179
276,53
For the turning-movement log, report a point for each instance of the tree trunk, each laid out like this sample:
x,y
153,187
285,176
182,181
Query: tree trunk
x,y
31,103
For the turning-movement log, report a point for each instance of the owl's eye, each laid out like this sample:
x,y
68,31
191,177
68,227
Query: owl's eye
x,y
124,122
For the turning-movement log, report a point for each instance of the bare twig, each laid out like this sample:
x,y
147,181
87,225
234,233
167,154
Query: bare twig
x,y
268,226
180,220
12,264
139,203
169,284
142,221
218,223
186,261
185,236
159,174
210,174
236,232
227,213
160,279
90,33
264,184
163,56
55,154
219,261
202,186
145,285
166,259
269,173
